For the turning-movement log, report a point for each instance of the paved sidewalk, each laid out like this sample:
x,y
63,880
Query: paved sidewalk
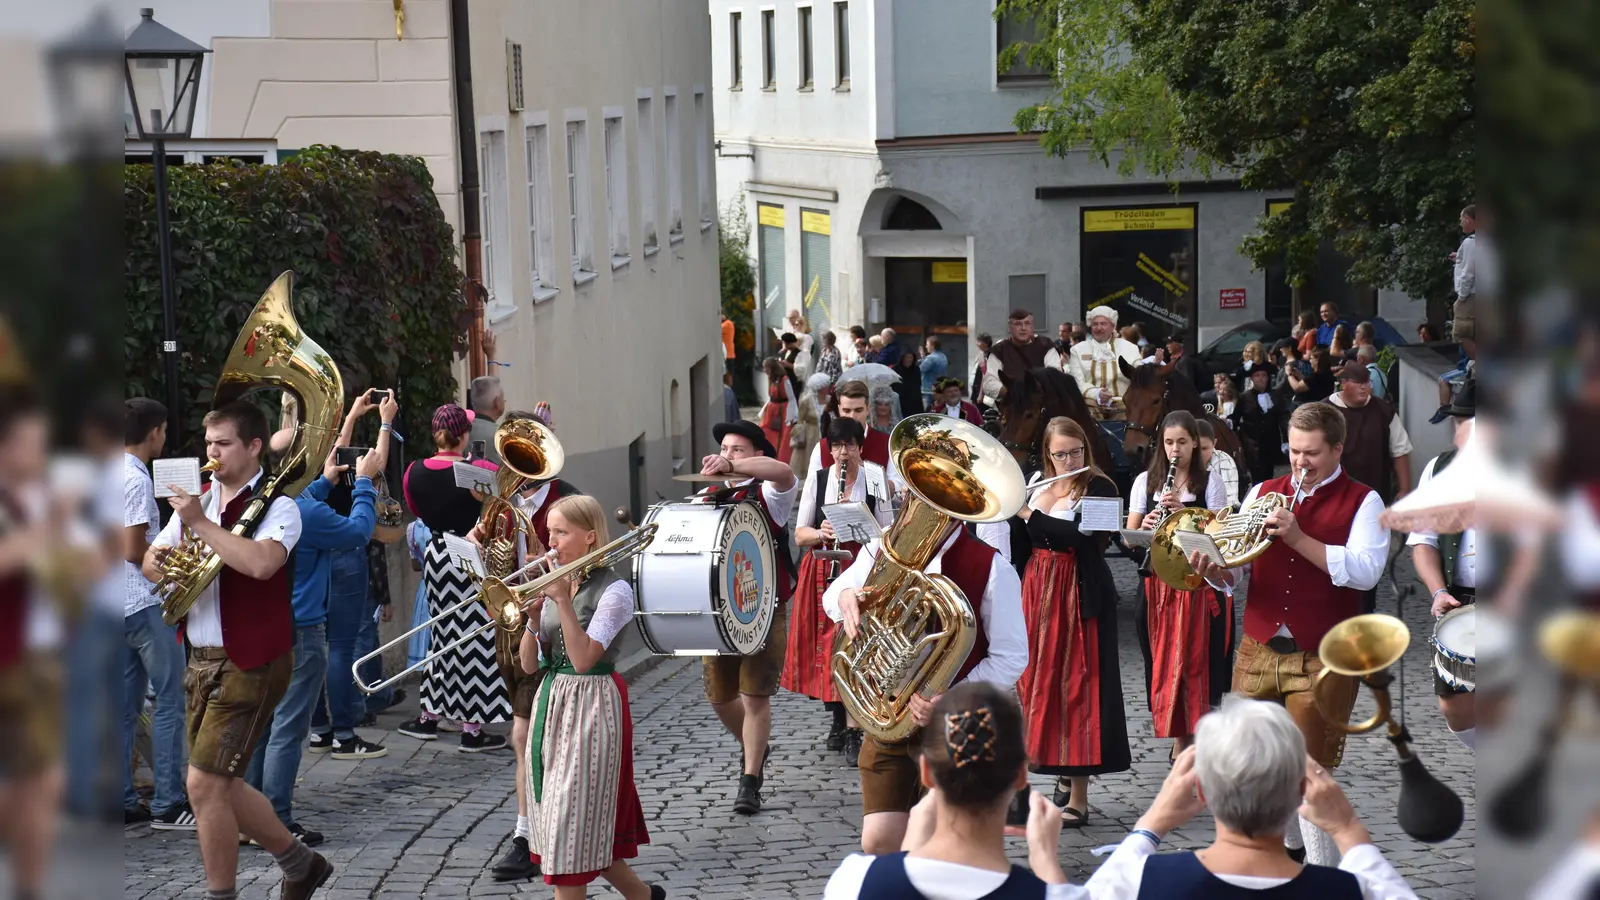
x,y
427,821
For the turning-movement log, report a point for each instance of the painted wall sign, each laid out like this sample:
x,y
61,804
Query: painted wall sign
x,y
814,222
1150,218
768,214
1231,298
950,273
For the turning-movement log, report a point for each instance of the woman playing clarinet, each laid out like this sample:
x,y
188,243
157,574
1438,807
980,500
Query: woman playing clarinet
x,y
1071,691
806,670
1184,635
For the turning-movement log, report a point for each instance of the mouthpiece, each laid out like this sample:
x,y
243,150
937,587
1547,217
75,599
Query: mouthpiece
x,y
211,465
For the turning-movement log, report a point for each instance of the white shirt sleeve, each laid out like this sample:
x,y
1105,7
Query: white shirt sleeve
x,y
138,494
991,380
1399,440
780,503
1139,495
281,523
1418,538
1574,874
1052,358
808,502
853,577
170,531
1217,490
1359,563
612,613
1379,880
1580,543
1004,627
998,536
791,409
1465,281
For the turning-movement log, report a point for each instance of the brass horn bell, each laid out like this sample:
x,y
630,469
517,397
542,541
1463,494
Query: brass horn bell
x,y
1363,647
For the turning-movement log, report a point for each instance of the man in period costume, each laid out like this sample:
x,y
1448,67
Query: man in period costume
x,y
1011,358
1096,364
948,400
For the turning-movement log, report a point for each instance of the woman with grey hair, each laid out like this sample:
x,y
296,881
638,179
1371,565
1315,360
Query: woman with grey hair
x,y
1249,765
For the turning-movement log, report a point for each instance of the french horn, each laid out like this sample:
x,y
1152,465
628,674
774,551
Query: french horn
x,y
1240,535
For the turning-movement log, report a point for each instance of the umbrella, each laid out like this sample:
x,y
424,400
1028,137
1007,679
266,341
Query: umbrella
x,y
875,375
1476,490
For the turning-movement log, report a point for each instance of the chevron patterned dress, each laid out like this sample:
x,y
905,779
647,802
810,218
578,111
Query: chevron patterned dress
x,y
464,684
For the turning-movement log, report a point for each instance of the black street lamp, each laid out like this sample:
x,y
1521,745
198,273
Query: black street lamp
x,y
163,75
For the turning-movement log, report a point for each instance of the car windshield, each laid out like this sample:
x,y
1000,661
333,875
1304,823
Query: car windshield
x,y
1235,341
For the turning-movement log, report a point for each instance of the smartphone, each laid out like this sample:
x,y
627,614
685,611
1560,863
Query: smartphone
x,y
347,456
376,396
480,449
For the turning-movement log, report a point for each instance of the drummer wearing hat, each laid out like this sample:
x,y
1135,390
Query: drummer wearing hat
x,y
1435,555
740,688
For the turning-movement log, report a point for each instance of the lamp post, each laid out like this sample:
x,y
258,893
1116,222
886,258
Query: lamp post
x,y
163,75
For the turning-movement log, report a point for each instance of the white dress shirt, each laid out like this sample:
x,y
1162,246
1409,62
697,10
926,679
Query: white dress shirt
x,y
1139,494
1094,365
1001,611
1122,874
815,463
281,523
1399,441
138,508
870,480
1225,470
1466,574
1464,277
780,503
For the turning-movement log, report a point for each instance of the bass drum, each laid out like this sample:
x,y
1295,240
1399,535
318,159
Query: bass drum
x,y
707,585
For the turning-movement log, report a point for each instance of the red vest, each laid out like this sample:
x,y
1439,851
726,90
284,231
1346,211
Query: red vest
x,y
876,449
257,618
543,512
967,563
15,590
1286,588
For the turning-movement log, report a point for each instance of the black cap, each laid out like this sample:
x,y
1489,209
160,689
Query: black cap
x,y
748,430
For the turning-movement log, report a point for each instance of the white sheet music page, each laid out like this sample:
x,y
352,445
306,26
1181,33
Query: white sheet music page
x,y
1190,541
1100,514
470,476
465,553
852,522
182,471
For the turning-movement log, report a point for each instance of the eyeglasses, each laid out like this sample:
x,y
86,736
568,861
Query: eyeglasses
x,y
1064,455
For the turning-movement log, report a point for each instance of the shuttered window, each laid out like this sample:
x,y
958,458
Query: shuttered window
x,y
769,246
816,268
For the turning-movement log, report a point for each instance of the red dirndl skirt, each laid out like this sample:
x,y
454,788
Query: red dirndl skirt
x,y
1060,689
776,430
1180,656
806,667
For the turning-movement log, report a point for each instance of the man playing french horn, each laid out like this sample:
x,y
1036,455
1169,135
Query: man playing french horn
x,y
241,633
1326,550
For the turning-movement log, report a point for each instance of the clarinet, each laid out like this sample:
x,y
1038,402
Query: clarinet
x,y
1163,514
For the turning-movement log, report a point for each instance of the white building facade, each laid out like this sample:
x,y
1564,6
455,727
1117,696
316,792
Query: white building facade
x,y
871,141
597,198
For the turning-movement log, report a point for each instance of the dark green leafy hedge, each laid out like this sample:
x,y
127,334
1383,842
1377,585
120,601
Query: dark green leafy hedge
x,y
376,281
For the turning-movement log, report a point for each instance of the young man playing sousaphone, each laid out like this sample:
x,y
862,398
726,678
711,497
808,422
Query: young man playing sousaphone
x,y
1326,552
740,688
241,631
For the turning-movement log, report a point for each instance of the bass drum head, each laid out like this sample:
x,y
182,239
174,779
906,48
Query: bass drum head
x,y
747,578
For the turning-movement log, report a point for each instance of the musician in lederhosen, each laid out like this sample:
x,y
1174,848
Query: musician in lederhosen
x,y
740,688
1184,635
1096,364
1447,564
807,668
521,686
1326,552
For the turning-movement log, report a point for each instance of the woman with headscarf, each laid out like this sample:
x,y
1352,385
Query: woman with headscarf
x,y
808,424
885,411
782,409
464,684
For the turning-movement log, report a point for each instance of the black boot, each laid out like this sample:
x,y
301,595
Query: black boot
x,y
835,739
517,864
852,747
748,803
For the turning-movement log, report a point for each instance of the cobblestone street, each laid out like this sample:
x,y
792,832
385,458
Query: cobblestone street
x,y
428,821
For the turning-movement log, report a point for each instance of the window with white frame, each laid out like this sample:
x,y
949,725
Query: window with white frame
x,y
841,45
645,130
805,48
736,50
1021,28
616,154
578,198
702,162
674,170
541,236
494,197
769,50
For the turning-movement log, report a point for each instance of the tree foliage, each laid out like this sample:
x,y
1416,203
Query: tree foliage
x,y
1364,111
376,282
738,290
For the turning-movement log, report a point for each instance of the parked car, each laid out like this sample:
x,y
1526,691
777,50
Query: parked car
x,y
1223,354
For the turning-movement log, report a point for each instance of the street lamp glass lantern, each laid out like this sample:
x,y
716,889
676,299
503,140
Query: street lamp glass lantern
x,y
163,76
86,82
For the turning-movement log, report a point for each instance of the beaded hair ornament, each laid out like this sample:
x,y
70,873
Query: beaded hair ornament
x,y
970,735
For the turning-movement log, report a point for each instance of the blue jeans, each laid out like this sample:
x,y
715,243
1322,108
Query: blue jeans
x,y
366,642
276,762
154,659
347,603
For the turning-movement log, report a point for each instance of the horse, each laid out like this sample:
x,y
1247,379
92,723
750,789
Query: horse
x,y
1026,404
1151,394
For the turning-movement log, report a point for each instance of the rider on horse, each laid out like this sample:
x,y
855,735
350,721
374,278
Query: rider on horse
x,y
1011,358
1094,364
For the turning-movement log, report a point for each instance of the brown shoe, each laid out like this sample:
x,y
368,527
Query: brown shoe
x,y
319,873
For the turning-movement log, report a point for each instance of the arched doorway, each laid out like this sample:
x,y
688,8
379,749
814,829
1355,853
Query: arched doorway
x,y
918,248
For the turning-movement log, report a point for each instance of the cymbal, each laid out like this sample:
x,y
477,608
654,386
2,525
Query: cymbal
x,y
696,476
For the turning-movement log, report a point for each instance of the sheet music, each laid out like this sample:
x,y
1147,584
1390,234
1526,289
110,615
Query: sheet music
x,y
1136,537
465,553
1190,541
181,471
1100,514
852,522
471,476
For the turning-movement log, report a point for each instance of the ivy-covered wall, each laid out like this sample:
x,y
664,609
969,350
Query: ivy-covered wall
x,y
376,282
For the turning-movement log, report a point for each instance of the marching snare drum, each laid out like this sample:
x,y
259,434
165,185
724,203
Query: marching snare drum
x,y
707,585
1455,647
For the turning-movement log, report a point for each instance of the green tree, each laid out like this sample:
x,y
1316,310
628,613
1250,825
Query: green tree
x,y
738,292
1365,112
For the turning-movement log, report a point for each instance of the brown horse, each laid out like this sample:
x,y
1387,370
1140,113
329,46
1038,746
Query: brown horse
x,y
1028,403
1151,394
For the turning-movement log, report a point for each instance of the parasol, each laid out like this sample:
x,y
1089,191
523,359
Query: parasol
x,y
875,375
1476,490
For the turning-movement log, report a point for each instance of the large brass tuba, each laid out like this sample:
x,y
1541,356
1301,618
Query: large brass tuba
x,y
917,629
529,453
270,352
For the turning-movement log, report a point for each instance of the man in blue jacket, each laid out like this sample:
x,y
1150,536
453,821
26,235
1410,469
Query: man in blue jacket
x,y
277,759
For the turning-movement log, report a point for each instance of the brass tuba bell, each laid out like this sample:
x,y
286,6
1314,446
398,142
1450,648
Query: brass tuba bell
x,y
529,453
917,629
271,351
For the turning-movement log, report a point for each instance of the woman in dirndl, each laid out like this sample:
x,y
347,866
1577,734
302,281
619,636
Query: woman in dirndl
x,y
807,667
782,410
464,684
582,803
1185,636
1071,692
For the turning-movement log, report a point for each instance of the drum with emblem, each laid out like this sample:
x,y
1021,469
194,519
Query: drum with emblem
x,y
1455,647
707,585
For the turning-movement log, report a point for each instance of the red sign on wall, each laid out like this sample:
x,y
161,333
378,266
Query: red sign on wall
x,y
1232,298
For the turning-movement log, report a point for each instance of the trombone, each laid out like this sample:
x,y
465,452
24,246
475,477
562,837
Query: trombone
x,y
507,604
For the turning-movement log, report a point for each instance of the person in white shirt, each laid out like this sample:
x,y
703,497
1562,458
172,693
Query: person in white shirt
x,y
1464,275
1222,466
972,760
889,785
1097,364
1249,766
